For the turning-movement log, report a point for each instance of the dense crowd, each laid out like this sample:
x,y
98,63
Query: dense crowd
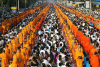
x,y
50,42
17,42
88,30
91,47
5,38
50,49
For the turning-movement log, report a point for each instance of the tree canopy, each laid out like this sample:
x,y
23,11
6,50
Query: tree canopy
x,y
10,3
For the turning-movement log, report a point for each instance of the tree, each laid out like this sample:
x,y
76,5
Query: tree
x,y
10,3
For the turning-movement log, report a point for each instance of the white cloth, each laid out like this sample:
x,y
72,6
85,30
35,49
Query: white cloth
x,y
42,51
40,32
46,62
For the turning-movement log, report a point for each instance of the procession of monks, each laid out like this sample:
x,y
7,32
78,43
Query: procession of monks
x,y
13,50
87,18
81,39
73,44
9,23
19,48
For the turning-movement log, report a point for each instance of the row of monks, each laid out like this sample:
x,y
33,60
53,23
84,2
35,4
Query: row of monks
x,y
19,49
83,40
73,44
8,24
87,18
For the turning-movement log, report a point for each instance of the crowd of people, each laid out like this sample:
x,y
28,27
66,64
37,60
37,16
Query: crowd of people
x,y
51,48
91,35
88,30
51,42
5,38
8,23
17,43
10,13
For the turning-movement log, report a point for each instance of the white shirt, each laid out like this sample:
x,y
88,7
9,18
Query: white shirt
x,y
58,62
40,32
48,46
63,57
20,28
61,43
83,24
46,62
42,51
48,50
52,35
44,40
98,40
56,31
47,27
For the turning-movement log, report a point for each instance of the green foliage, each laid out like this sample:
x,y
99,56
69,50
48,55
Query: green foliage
x,y
10,3
69,0
76,6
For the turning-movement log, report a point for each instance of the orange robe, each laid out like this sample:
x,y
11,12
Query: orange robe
x,y
14,45
10,47
94,61
99,58
14,62
92,51
20,56
79,62
27,50
17,44
70,44
29,42
4,60
7,51
74,51
4,28
23,52
20,38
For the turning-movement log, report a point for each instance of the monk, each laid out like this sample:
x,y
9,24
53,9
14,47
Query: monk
x,y
8,26
31,24
14,62
20,38
26,46
17,42
74,47
20,58
71,43
33,33
14,45
79,46
11,49
29,42
24,28
4,59
94,61
92,51
37,27
23,52
7,51
23,32
4,28
79,57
